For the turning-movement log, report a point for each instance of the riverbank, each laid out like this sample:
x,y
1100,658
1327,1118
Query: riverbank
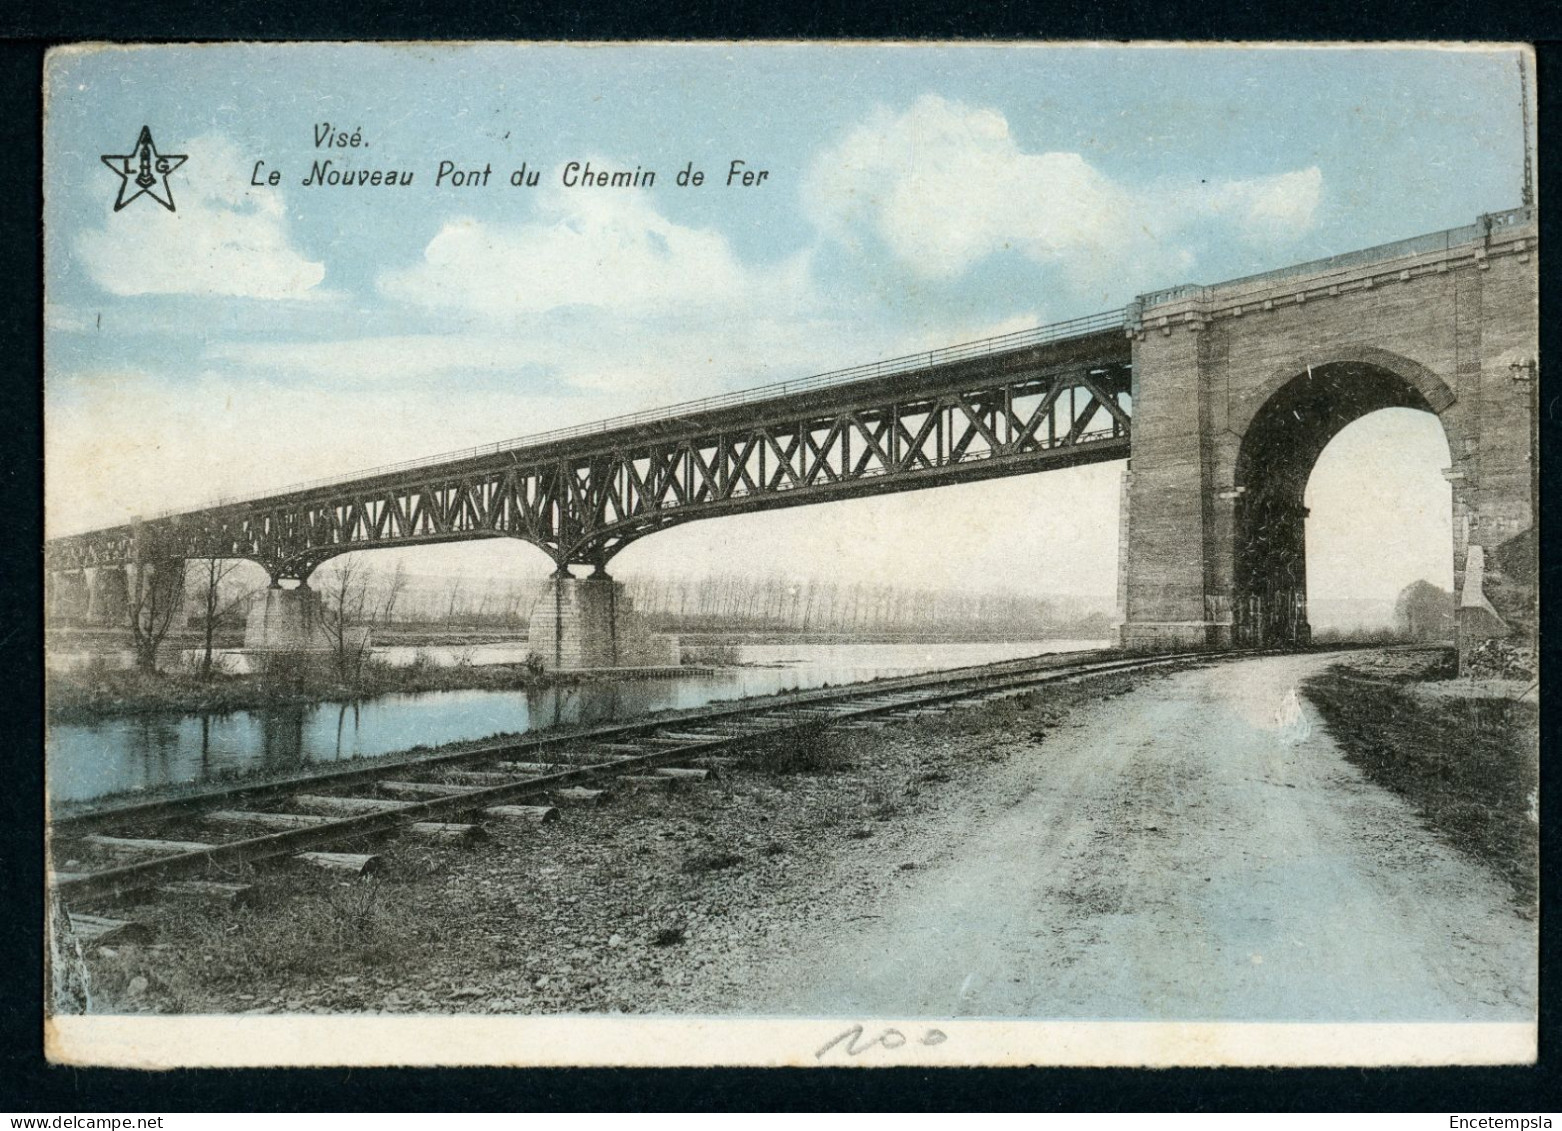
x,y
94,693
228,636
144,755
643,904
1151,845
99,690
80,640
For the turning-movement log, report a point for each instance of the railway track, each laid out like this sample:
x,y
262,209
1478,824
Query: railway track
x,y
450,797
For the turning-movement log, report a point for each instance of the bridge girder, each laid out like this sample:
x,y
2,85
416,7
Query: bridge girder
x,y
581,509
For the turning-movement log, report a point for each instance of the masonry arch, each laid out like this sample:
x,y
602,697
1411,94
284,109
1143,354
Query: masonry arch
x,y
1283,438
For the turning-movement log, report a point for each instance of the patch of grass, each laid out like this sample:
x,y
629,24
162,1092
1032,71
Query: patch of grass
x,y
881,803
95,691
322,927
810,750
1468,764
711,656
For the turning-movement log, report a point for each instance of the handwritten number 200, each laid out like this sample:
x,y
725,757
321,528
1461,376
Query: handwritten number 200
x,y
889,1039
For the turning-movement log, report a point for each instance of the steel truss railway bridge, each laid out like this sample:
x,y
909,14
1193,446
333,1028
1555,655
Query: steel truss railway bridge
x,y
1221,397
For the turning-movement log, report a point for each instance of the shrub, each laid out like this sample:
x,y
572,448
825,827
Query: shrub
x,y
283,672
809,750
711,656
1497,659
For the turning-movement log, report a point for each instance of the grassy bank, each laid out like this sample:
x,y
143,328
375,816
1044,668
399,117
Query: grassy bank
x,y
95,691
1467,762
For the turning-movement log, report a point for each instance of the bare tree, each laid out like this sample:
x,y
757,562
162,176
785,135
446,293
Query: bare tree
x,y
344,606
352,602
156,593
215,603
514,596
453,594
391,593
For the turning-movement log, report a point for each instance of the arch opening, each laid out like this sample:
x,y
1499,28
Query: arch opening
x,y
1275,465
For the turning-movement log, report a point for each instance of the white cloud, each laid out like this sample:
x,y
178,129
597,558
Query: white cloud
x,y
224,239
944,185
599,249
123,440
1274,209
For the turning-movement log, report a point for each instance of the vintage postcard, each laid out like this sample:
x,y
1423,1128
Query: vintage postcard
x,y
791,554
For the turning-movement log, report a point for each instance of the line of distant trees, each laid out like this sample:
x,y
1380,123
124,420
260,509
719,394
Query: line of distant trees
x,y
733,602
720,602
221,596
217,595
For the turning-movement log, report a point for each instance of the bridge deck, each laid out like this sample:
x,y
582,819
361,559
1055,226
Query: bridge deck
x,y
1019,402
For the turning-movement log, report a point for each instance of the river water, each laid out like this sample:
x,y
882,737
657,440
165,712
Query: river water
x,y
142,753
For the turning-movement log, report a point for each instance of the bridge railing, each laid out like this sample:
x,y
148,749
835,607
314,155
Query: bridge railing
x,y
1445,240
982,347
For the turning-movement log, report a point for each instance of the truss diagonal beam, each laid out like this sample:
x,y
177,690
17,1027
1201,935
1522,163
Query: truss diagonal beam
x,y
583,505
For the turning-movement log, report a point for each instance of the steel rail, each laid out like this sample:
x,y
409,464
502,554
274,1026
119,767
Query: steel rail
x,y
541,741
123,878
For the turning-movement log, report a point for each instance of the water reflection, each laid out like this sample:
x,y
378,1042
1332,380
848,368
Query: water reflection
x,y
144,752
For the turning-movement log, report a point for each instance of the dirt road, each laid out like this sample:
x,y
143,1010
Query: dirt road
x,y
1199,850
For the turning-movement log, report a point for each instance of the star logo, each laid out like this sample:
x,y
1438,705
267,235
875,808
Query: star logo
x,y
144,172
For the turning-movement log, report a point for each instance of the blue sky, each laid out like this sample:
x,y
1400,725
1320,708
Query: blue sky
x,y
916,196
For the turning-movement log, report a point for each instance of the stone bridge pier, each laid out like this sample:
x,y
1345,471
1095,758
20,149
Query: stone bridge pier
x,y
108,596
100,596
286,620
1238,388
587,622
66,596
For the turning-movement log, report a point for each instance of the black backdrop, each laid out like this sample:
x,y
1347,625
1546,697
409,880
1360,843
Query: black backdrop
x,y
28,1085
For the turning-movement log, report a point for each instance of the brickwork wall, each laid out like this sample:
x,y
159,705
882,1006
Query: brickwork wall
x,y
1451,323
1164,583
